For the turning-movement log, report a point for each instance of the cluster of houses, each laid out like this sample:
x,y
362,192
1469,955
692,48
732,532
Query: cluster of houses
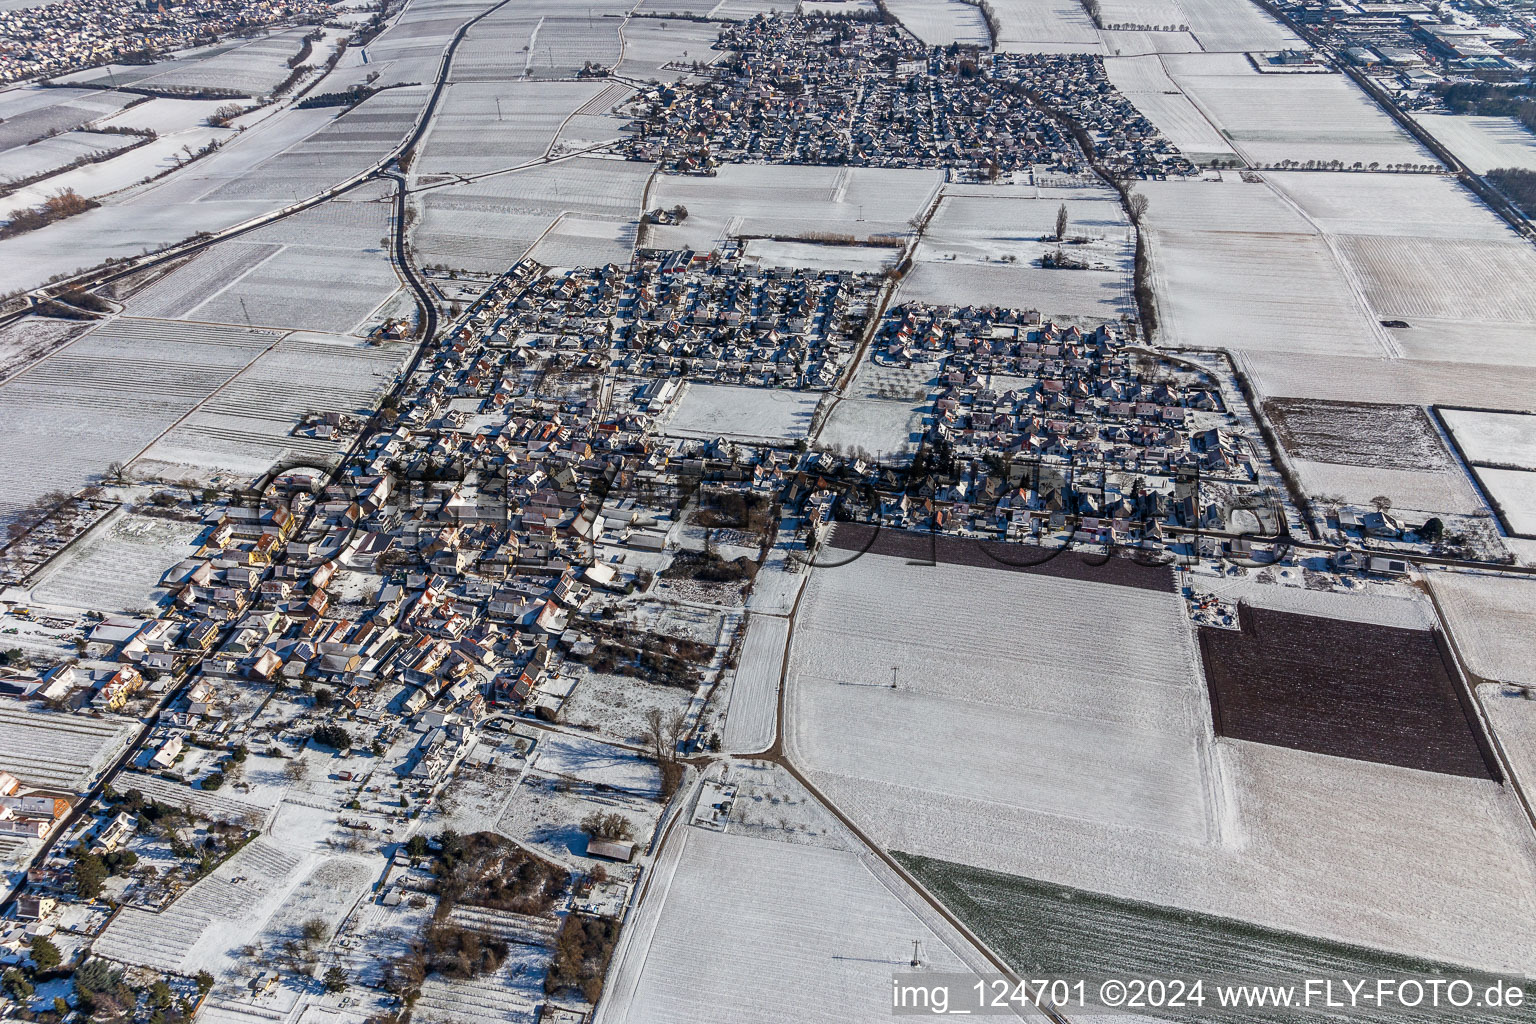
x,y
679,314
38,40
825,89
27,814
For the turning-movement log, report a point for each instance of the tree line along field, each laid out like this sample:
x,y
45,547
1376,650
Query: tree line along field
x,y
1347,689
1045,930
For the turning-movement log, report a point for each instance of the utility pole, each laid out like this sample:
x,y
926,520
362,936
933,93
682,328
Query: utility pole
x,y
915,961
893,677
498,108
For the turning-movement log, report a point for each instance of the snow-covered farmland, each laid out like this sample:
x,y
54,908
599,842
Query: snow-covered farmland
x,y
869,259
760,199
1044,26
794,932
754,707
1514,491
253,67
1272,118
1224,26
712,410
1411,205
57,751
1491,619
663,49
30,113
105,397
489,224
1445,278
22,162
594,762
985,250
490,126
1483,143
1430,490
1156,15
942,22
1497,438
1145,82
1100,717
883,427
118,566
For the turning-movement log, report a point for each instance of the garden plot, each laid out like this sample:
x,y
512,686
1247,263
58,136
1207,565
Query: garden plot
x,y
1100,717
1144,81
1230,261
489,224
1051,26
59,752
1490,618
1513,492
712,410
1483,143
796,202
1300,118
986,252
750,722
215,806
1223,26
512,994
794,932
107,396
118,566
942,22
247,426
470,134
1507,440
60,151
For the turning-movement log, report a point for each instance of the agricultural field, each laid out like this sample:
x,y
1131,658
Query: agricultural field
x,y
1488,618
660,49
26,341
795,932
1505,440
1299,118
1149,15
1483,143
24,162
1229,27
753,712
108,395
1047,930
942,22
1131,44
574,241
1145,82
866,259
490,126
1347,689
986,251
1445,279
237,67
711,411
56,751
117,567
1051,26
796,202
30,113
1359,434
1513,492
489,224
1130,754
1427,491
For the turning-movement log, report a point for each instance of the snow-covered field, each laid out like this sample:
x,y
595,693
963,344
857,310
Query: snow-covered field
x,y
754,707
650,45
1501,439
1483,143
761,199
1515,492
868,259
793,933
50,154
1270,118
1224,26
471,134
985,250
1445,278
711,410
253,67
592,761
1157,15
1044,26
1145,82
1489,617
30,112
941,22
58,751
882,427
1436,491
117,568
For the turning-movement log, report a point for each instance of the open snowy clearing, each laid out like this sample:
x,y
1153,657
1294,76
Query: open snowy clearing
x,y
1403,381
754,707
1435,491
867,259
1483,143
1044,26
117,568
882,427
1410,205
1445,278
1500,439
1514,491
712,410
592,761
794,933
1490,618
760,199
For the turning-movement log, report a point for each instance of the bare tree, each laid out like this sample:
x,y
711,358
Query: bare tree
x,y
1061,222
1137,205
